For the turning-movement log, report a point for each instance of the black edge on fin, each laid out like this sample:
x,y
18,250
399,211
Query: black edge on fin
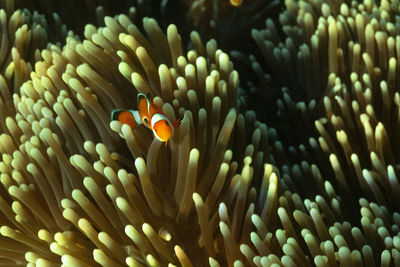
x,y
115,113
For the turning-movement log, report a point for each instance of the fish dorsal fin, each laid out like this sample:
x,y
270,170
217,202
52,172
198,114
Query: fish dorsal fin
x,y
147,97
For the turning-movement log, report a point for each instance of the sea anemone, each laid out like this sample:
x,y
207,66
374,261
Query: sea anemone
x,y
227,190
74,15
228,24
339,92
87,197
358,91
24,35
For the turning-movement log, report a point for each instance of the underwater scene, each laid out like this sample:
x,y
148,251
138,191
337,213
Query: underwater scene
x,y
199,133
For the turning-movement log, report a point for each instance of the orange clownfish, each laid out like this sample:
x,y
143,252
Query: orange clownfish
x,y
149,115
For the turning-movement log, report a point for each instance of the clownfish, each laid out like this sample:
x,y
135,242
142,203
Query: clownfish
x,y
149,115
236,3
